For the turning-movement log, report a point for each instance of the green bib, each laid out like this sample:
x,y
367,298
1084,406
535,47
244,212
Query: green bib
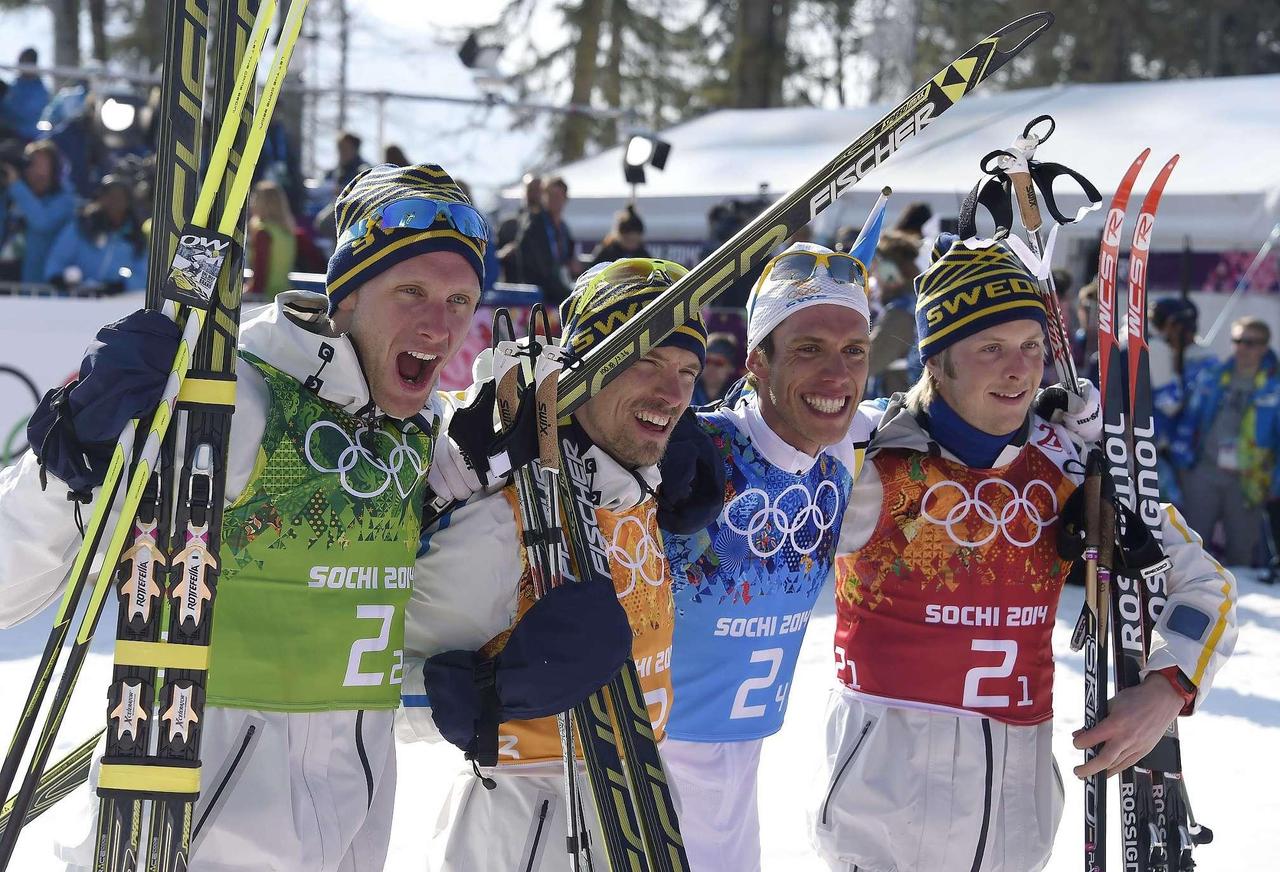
x,y
317,559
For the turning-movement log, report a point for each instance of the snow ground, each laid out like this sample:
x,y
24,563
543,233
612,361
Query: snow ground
x,y
1231,748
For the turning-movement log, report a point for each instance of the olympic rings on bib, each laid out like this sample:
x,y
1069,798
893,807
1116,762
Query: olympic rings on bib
x,y
774,518
356,452
1019,503
646,561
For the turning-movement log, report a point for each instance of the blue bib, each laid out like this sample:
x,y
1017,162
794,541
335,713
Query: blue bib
x,y
744,588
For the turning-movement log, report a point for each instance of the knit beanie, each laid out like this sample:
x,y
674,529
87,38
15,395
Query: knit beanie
x,y
972,285
372,249
592,312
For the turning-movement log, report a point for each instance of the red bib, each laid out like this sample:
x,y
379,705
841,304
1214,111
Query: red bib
x,y
950,604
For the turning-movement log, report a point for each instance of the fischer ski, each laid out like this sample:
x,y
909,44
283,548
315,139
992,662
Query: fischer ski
x,y
58,781
194,279
752,244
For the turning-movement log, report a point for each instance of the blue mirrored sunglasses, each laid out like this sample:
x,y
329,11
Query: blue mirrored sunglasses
x,y
419,213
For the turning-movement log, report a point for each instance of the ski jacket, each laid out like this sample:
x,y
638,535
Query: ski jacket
x,y
964,600
23,104
37,221
1259,430
472,583
744,586
298,748
100,259
1169,388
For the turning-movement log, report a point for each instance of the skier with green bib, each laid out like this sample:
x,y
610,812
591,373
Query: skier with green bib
x,y
333,432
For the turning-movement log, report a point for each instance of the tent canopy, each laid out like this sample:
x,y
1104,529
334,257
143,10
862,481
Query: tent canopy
x,y
1224,194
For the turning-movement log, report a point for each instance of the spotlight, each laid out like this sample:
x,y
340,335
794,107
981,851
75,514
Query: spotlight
x,y
117,115
643,149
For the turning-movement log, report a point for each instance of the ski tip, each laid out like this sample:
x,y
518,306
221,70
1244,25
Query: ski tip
x,y
1039,22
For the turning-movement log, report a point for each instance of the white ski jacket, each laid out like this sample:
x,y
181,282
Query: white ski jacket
x,y
280,791
908,786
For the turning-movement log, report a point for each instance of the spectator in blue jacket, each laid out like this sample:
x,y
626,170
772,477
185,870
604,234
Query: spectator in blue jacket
x,y
1227,440
104,245
38,208
26,98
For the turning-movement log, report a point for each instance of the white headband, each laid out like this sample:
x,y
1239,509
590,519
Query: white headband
x,y
772,301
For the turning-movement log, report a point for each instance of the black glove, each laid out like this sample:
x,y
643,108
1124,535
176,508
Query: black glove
x,y
692,491
74,429
567,646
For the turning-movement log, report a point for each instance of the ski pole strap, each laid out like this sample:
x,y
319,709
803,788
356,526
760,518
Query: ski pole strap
x,y
995,194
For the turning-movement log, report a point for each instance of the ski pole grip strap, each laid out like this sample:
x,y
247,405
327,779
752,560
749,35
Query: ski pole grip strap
x,y
1045,174
993,195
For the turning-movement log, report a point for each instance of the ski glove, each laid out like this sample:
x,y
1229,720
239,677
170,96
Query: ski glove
x,y
1080,414
568,645
692,491
74,429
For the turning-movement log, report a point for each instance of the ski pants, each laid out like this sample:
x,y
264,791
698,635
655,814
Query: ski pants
x,y
283,792
519,826
717,786
906,790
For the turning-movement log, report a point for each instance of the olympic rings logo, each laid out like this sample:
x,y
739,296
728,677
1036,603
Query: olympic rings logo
x,y
646,556
1019,504
773,517
356,452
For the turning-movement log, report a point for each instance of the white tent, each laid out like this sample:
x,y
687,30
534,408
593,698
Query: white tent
x,y
1224,194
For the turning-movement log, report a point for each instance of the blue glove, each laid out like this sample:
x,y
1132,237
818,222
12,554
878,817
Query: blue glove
x,y
567,646
693,478
74,429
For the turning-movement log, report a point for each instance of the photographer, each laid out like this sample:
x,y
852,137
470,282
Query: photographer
x,y
104,246
34,209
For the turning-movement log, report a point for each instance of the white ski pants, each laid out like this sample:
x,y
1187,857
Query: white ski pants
x,y
906,790
279,793
717,786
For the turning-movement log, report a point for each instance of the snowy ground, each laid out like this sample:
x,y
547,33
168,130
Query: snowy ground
x,y
1232,748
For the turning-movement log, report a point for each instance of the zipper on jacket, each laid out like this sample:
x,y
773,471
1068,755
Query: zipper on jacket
x,y
364,757
835,782
986,801
216,796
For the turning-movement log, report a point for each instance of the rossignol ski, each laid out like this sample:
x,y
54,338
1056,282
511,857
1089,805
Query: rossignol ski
x,y
196,285
1111,374
1173,835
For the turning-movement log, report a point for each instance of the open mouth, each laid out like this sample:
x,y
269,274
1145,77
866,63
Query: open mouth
x,y
825,405
653,422
416,369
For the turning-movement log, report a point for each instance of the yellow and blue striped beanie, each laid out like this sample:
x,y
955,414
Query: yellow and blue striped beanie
x,y
968,289
597,308
358,260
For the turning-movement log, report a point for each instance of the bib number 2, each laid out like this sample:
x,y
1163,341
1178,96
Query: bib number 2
x,y
355,677
973,697
772,656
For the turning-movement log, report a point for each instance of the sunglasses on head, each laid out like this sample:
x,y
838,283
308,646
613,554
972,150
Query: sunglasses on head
x,y
797,266
1249,341
420,213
